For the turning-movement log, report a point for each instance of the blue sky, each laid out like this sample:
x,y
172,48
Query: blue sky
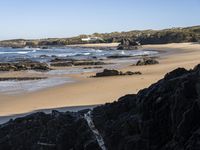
x,y
65,18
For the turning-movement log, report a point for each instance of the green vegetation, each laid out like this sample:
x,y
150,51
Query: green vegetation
x,y
173,35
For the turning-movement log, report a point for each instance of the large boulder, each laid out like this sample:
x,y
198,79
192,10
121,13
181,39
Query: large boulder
x,y
147,61
128,44
164,116
112,72
55,131
107,72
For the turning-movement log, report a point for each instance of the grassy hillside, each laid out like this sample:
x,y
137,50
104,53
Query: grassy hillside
x,y
172,35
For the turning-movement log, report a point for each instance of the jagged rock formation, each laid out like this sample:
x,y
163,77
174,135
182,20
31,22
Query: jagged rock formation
x,y
24,65
62,62
128,44
147,61
21,78
108,72
56,131
164,116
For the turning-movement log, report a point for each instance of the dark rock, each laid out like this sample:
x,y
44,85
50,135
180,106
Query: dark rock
x,y
107,72
92,145
175,73
119,56
62,62
128,44
24,65
164,116
57,59
147,61
21,78
44,56
95,67
132,73
88,63
44,47
39,131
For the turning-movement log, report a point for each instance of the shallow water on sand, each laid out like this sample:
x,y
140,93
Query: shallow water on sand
x,y
16,87
55,76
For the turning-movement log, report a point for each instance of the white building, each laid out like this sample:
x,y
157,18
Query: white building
x,y
91,39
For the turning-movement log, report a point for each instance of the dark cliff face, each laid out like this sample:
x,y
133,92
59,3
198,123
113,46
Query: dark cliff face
x,y
165,116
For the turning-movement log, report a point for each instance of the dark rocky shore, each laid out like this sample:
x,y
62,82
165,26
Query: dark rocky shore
x,y
164,116
40,131
128,44
24,65
21,78
64,62
108,72
147,61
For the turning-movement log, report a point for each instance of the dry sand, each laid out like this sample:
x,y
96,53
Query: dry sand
x,y
89,91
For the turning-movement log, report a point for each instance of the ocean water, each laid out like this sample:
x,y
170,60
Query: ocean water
x,y
17,87
55,76
45,55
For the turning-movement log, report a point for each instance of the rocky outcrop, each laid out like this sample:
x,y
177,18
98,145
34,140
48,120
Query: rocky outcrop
x,y
128,44
147,61
107,72
24,65
119,56
164,116
95,67
56,131
21,78
62,62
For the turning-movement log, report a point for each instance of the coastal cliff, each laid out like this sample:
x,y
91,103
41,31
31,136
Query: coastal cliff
x,y
164,116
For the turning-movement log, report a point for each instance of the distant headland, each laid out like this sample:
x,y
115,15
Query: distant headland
x,y
172,35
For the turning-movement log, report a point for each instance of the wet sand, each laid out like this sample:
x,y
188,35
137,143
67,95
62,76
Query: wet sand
x,y
91,91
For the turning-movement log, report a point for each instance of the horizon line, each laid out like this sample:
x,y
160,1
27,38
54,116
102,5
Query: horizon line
x,y
63,37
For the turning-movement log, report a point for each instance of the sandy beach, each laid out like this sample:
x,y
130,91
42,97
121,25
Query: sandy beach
x,y
90,91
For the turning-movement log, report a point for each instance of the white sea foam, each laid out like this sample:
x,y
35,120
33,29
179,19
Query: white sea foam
x,y
33,51
86,54
123,53
19,52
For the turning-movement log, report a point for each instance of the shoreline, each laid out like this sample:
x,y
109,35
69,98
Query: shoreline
x,y
88,91
4,119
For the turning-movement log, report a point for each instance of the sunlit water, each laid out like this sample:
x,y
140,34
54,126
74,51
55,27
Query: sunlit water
x,y
55,79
